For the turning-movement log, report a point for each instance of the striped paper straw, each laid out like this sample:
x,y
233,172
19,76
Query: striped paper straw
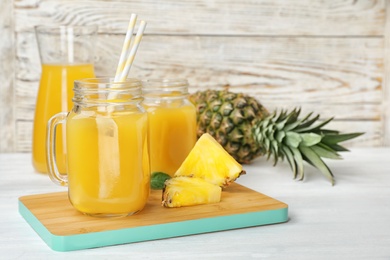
x,y
133,51
125,47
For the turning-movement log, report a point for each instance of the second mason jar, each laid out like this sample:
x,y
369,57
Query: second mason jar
x,y
172,123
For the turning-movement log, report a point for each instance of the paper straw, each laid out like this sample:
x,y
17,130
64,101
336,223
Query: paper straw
x,y
70,44
123,68
125,47
133,51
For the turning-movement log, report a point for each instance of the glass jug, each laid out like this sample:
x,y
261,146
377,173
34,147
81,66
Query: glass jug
x,y
67,54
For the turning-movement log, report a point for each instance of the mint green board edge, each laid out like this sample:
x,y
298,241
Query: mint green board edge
x,y
145,233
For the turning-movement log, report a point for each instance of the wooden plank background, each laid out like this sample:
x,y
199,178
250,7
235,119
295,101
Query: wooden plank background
x,y
324,56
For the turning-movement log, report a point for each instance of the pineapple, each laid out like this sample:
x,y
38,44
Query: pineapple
x,y
247,130
229,117
188,191
209,160
200,179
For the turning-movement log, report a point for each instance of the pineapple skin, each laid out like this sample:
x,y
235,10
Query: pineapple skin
x,y
210,161
185,191
229,118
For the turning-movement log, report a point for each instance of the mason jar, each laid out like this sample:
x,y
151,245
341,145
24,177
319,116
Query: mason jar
x,y
172,123
107,149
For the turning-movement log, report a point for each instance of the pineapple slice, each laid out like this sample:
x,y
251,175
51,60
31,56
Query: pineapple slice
x,y
188,191
210,161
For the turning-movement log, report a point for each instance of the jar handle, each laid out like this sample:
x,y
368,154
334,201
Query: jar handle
x,y
54,174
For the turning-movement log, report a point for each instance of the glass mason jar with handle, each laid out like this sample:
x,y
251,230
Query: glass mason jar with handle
x,y
67,54
107,149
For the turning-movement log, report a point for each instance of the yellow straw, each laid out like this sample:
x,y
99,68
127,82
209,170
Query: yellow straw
x,y
125,47
133,51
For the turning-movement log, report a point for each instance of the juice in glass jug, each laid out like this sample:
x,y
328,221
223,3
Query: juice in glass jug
x,y
172,123
55,95
66,55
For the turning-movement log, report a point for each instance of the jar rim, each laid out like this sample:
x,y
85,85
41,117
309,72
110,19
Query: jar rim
x,y
164,82
104,91
107,82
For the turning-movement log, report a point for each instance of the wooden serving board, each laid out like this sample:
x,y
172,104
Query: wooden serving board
x,y
63,228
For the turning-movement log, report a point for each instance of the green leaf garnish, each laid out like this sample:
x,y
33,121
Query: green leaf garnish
x,y
158,179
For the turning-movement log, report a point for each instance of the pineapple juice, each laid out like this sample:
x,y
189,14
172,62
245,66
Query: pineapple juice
x,y
108,172
172,123
108,168
55,95
172,134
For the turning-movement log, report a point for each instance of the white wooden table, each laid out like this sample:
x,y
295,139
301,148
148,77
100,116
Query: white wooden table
x,y
350,220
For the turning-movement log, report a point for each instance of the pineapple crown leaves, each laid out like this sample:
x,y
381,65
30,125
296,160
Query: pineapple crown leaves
x,y
285,135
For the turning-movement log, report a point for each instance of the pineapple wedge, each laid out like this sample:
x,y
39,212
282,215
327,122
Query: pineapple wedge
x,y
188,191
210,161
